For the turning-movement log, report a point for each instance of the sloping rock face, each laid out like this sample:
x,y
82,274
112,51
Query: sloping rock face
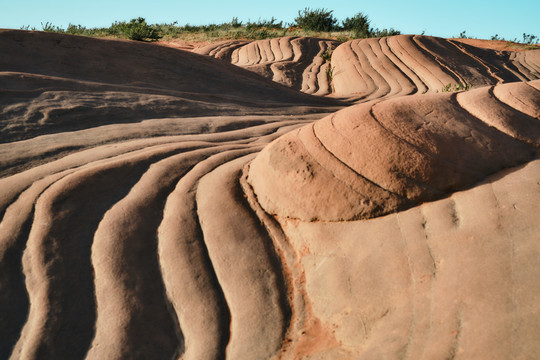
x,y
454,278
374,68
53,83
451,278
407,64
297,62
380,157
156,203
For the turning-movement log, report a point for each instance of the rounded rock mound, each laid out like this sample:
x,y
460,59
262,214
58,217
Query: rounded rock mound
x,y
380,157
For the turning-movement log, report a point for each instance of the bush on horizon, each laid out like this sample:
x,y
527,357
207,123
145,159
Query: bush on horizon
x,y
385,32
316,20
318,23
135,29
310,22
359,24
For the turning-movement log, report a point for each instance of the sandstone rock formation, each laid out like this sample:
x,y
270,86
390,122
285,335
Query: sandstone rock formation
x,y
297,62
383,156
157,203
375,68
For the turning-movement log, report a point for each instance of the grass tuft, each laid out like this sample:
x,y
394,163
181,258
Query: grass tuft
x,y
457,87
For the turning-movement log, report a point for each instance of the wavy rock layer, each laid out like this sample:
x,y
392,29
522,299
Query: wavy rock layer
x,y
374,68
118,252
54,83
156,203
455,278
382,157
296,62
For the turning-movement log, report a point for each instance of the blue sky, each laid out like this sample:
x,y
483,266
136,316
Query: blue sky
x,y
480,18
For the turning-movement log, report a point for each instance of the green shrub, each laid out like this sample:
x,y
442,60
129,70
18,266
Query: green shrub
x,y
268,24
358,24
76,29
530,39
458,87
327,55
235,23
136,29
330,73
463,35
169,30
28,28
316,20
385,32
49,27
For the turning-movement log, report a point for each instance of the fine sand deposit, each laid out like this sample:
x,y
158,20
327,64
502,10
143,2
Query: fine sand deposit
x,y
252,200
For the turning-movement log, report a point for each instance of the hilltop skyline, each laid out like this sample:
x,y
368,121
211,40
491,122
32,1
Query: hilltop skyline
x,y
480,19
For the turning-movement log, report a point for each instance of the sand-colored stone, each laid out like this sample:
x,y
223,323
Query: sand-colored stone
x,y
293,61
368,69
427,146
199,202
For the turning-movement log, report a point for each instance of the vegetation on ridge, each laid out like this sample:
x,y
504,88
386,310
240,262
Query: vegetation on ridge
x,y
529,41
323,20
309,22
458,87
327,57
